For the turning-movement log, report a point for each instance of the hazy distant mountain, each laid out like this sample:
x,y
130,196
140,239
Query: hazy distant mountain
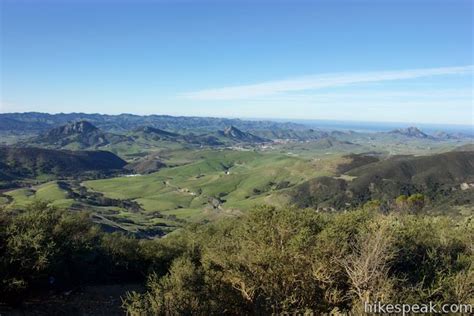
x,y
466,147
290,134
189,127
413,132
153,132
332,142
8,124
84,135
40,122
76,128
442,135
342,133
237,135
149,133
77,135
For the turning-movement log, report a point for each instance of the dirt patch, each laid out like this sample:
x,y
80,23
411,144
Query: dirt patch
x,y
88,300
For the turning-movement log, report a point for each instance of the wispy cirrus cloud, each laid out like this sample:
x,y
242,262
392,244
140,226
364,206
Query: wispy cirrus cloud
x,y
316,82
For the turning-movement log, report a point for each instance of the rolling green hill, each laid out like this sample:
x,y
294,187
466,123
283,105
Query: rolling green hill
x,y
31,162
196,185
50,191
202,185
437,176
216,183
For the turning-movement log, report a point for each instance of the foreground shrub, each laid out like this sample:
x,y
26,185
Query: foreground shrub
x,y
41,246
267,261
287,260
45,248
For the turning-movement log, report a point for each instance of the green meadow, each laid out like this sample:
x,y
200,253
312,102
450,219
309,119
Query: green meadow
x,y
217,182
49,191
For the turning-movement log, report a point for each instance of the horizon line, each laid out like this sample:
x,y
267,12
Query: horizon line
x,y
249,118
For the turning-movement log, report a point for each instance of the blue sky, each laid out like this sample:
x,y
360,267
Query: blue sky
x,y
402,61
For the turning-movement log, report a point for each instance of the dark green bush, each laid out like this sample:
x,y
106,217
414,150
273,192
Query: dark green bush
x,y
45,248
269,260
287,260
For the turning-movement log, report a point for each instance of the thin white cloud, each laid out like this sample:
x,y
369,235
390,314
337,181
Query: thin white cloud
x,y
443,95
318,82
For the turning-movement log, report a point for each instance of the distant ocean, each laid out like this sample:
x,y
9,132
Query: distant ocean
x,y
380,126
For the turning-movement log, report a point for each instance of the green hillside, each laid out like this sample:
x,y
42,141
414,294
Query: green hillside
x,y
32,162
218,182
440,177
50,192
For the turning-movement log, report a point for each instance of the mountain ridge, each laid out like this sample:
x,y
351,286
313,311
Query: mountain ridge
x,y
412,131
28,162
41,122
235,134
77,135
435,175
